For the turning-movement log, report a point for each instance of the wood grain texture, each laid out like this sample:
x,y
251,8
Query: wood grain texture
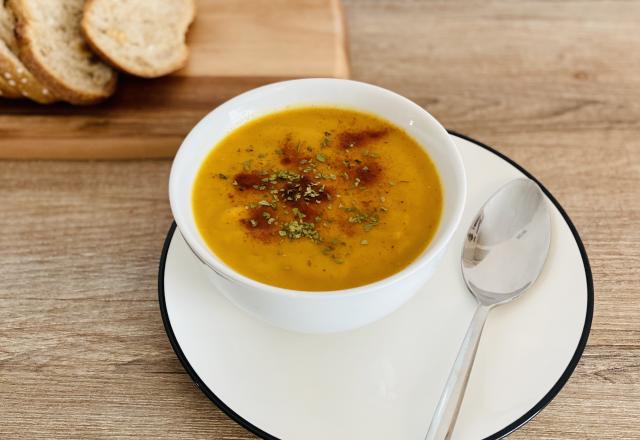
x,y
272,38
552,84
234,47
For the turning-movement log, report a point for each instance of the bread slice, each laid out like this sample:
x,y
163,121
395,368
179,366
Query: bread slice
x,y
7,89
53,49
141,37
19,82
7,27
8,84
15,80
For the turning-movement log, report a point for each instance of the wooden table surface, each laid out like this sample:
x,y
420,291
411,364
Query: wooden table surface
x,y
554,85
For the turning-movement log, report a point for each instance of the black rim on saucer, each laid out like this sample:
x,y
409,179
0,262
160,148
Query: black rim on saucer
x,y
500,434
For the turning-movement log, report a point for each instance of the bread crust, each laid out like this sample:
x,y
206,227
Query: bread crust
x,y
29,57
6,89
110,58
15,79
19,82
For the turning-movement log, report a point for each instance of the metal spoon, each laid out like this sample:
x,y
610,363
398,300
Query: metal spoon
x,y
503,254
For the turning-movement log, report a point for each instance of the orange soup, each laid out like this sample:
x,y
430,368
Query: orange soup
x,y
317,199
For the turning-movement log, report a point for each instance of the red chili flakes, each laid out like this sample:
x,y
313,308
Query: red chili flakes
x,y
291,152
352,139
368,172
247,180
305,189
259,223
306,195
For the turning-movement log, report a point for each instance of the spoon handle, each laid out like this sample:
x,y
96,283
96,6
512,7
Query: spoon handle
x,y
444,418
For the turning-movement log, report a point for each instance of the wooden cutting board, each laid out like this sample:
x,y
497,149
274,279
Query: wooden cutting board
x,y
235,45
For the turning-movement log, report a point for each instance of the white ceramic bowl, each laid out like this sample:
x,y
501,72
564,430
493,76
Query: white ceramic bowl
x,y
331,311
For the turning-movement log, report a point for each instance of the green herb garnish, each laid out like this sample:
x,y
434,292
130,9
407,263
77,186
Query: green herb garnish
x,y
299,229
367,220
326,140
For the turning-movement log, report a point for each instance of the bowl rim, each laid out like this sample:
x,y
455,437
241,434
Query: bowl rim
x,y
433,249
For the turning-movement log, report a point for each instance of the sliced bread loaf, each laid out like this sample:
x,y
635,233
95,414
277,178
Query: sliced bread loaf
x,y
53,49
15,80
142,37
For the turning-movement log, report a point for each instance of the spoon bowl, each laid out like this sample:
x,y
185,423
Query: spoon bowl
x,y
507,243
504,252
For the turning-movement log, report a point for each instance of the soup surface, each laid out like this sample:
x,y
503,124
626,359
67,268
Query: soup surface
x,y
317,198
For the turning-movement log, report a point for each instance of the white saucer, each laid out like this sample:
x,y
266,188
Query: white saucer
x,y
383,381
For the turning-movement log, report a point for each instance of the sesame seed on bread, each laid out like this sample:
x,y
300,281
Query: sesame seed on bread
x,y
18,81
15,80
